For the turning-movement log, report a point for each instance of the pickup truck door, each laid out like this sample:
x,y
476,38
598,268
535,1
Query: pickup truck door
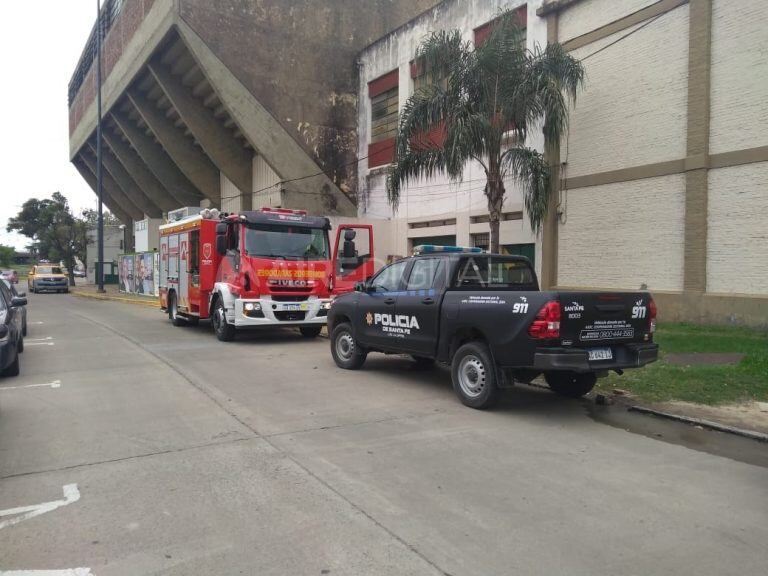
x,y
418,306
376,308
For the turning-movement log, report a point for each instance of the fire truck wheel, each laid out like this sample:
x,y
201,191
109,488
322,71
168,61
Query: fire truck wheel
x,y
345,351
310,331
224,330
173,310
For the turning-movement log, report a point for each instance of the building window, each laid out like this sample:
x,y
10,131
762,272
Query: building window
x,y
384,95
482,240
482,32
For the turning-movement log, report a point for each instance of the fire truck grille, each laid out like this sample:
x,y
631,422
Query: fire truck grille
x,y
289,298
290,315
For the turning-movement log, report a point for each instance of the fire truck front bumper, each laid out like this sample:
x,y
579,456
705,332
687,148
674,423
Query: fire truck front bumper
x,y
268,312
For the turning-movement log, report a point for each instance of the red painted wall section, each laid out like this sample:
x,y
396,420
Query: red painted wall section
x,y
381,153
383,83
122,31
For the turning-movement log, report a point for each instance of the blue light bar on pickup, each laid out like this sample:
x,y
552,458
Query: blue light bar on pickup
x,y
431,248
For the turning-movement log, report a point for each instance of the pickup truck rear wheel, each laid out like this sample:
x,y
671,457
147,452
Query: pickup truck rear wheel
x,y
571,384
474,376
345,351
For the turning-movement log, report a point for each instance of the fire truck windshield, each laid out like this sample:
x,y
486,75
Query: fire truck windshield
x,y
289,242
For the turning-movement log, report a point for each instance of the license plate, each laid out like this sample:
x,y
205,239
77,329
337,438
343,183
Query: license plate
x,y
600,354
291,306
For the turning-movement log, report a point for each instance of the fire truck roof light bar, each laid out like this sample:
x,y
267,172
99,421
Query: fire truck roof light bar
x,y
431,249
284,211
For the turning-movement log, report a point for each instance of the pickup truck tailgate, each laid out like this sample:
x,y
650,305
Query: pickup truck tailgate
x,y
591,319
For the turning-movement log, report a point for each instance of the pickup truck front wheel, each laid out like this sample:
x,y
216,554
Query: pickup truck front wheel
x,y
474,376
570,384
345,351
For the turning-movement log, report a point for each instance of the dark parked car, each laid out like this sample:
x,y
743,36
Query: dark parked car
x,y
11,337
16,294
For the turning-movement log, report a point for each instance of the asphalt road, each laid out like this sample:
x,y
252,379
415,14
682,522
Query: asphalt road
x,y
184,455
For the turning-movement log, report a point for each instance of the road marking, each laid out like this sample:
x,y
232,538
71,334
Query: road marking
x,y
38,339
39,343
67,572
38,322
22,513
54,384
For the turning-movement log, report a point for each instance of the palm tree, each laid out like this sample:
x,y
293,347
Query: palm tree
x,y
484,100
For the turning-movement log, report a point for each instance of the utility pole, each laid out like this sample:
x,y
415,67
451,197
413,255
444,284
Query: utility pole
x,y
99,184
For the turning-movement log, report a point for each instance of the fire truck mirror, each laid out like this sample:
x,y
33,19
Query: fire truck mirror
x,y
349,234
221,244
221,228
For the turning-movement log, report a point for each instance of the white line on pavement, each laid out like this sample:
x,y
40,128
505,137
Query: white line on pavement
x,y
67,572
54,384
22,513
38,339
39,343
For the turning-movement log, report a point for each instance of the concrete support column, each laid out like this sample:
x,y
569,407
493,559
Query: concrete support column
x,y
549,240
128,184
218,142
90,179
158,162
697,162
150,185
112,190
192,161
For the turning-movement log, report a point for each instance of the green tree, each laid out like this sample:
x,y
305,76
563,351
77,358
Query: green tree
x,y
91,216
486,99
7,254
57,235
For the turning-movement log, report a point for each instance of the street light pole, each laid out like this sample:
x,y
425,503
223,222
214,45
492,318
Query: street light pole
x,y
99,184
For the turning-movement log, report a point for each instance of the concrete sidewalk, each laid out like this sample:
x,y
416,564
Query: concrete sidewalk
x,y
112,293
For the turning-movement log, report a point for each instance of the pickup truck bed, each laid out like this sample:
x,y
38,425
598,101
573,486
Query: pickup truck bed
x,y
484,315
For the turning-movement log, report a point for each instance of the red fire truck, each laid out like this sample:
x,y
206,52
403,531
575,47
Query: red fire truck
x,y
272,267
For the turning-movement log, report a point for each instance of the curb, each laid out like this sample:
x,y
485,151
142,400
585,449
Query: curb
x,y
759,436
148,303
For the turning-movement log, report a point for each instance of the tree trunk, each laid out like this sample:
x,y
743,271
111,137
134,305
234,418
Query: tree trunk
x,y
495,193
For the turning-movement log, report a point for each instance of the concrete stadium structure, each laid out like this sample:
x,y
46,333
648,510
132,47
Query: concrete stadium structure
x,y
216,103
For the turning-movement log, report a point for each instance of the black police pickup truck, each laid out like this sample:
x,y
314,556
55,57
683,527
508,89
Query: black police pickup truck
x,y
485,316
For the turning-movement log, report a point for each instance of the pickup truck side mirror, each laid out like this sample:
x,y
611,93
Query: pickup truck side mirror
x,y
361,286
18,301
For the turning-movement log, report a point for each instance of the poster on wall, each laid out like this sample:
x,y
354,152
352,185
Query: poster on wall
x,y
126,273
145,274
157,274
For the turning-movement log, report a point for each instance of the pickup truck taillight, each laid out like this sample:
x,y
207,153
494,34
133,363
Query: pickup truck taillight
x,y
651,316
547,323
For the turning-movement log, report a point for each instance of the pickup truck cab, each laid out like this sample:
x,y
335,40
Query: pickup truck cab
x,y
484,315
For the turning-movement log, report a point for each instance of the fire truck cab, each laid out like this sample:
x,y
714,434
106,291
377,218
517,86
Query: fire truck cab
x,y
272,267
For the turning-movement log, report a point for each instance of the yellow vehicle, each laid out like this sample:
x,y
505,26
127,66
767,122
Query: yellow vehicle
x,y
47,277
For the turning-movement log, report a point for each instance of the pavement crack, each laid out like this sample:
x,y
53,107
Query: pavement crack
x,y
127,458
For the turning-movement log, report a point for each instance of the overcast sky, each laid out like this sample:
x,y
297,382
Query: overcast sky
x,y
40,43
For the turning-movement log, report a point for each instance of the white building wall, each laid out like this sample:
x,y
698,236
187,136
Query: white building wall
x,y
737,244
436,198
266,184
588,15
739,77
624,235
633,110
230,195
